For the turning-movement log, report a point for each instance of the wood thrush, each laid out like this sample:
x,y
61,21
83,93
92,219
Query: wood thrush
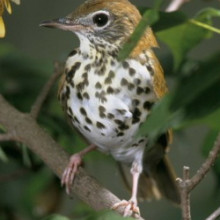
x,y
107,100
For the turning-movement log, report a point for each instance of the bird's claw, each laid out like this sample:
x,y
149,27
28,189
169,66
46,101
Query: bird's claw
x,y
131,208
70,171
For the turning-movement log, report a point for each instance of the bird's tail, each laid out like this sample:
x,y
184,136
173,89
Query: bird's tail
x,y
158,178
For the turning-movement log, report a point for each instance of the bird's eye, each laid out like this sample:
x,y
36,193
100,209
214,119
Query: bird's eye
x,y
100,19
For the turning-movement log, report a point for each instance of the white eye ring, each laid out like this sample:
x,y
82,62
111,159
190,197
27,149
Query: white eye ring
x,y
101,19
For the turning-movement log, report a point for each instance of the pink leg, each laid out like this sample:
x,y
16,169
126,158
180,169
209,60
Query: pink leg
x,y
131,206
72,167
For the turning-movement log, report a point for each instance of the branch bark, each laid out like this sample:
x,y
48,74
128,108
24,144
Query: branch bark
x,y
33,136
8,137
184,193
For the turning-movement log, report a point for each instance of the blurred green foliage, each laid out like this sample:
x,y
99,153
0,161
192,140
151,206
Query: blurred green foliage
x,y
193,100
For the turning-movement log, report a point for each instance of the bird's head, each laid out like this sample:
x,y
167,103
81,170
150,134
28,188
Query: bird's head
x,y
101,21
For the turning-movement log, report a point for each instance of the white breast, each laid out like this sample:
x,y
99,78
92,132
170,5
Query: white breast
x,y
104,108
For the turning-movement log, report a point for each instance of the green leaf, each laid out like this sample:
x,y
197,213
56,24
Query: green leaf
x,y
197,92
37,183
56,217
200,84
161,119
184,37
26,156
148,19
181,39
3,156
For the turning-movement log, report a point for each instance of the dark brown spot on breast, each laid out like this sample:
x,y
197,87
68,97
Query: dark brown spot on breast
x,y
147,90
87,67
119,122
111,74
139,90
86,128
86,95
125,64
131,86
137,81
67,92
141,141
123,126
79,96
110,116
132,71
100,125
110,90
124,82
83,111
135,102
72,53
148,105
70,111
121,111
120,134
102,108
88,120
85,75
150,69
102,111
136,115
98,85
76,119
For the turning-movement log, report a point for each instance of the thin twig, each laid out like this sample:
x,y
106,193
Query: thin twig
x,y
214,215
184,193
206,166
35,109
175,5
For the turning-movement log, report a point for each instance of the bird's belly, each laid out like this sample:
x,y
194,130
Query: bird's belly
x,y
108,107
107,125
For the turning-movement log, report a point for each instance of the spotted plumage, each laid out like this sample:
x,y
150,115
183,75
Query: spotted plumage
x,y
107,100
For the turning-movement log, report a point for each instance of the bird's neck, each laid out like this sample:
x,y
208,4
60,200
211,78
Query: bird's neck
x,y
93,45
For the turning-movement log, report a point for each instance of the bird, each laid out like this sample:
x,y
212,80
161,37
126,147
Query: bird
x,y
107,99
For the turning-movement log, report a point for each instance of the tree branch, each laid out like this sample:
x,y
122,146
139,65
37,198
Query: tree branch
x,y
184,193
206,166
186,185
33,136
35,109
175,5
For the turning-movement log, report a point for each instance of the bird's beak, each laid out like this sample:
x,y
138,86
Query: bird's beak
x,y
66,24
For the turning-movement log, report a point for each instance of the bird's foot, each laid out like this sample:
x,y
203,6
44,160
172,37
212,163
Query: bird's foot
x,y
70,171
130,208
